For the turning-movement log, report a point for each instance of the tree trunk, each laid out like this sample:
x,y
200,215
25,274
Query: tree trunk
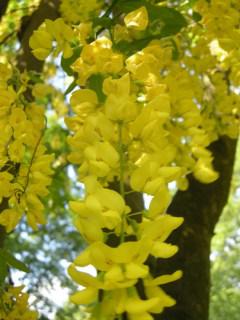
x,y
201,206
3,7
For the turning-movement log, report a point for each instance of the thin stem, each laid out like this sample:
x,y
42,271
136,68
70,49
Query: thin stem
x,y
134,214
109,10
8,36
130,192
31,161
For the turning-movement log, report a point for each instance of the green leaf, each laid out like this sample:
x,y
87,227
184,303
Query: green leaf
x,y
66,63
130,5
72,86
136,45
95,82
15,263
196,16
169,20
104,22
163,22
175,52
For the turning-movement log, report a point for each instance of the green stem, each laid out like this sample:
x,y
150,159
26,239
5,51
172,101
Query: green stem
x,y
110,8
135,214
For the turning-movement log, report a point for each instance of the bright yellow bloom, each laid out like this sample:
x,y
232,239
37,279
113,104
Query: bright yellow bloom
x,y
204,172
101,209
15,303
137,19
97,57
120,105
42,38
80,10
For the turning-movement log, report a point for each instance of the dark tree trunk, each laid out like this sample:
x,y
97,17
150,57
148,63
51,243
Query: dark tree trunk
x,y
3,7
201,206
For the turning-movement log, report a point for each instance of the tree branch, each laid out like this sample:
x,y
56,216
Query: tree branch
x,y
3,7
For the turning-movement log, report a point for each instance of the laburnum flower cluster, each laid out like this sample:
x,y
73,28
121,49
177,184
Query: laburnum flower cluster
x,y
148,124
14,305
24,166
214,56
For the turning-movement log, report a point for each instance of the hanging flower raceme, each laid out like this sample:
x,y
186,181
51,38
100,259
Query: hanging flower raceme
x,y
25,166
102,153
146,124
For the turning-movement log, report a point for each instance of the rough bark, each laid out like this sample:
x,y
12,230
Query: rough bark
x,y
201,206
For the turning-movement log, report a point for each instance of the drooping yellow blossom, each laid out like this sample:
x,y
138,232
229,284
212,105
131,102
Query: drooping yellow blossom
x,y
80,10
148,123
14,305
41,42
137,19
25,167
97,57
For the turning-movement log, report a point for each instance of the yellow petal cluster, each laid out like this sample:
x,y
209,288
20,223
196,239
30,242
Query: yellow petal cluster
x,y
97,57
147,125
24,164
121,139
14,305
80,10
41,42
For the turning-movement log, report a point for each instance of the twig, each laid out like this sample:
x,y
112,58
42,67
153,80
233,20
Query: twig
x,y
7,37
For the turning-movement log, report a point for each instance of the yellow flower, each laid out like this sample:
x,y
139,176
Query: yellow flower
x,y
41,90
10,218
41,43
6,187
120,105
16,151
104,258
160,228
5,72
101,209
63,34
14,305
80,10
85,296
97,57
204,172
137,19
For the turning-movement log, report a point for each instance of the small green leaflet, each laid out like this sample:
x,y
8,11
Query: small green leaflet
x,y
163,22
130,5
95,82
172,20
66,63
10,260
71,87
